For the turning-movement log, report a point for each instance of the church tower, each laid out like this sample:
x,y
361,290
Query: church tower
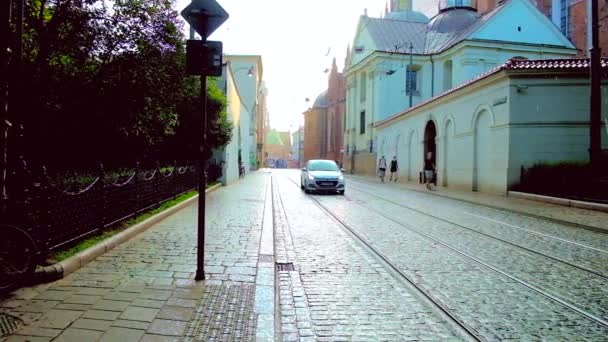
x,y
401,5
402,10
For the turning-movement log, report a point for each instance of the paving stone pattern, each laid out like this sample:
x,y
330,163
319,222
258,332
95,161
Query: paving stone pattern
x,y
144,289
494,305
503,224
224,314
584,217
338,291
581,288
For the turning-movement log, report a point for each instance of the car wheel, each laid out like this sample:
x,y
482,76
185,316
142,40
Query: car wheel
x,y
341,192
307,191
301,185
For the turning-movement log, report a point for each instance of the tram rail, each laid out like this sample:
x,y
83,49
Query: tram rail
x,y
471,331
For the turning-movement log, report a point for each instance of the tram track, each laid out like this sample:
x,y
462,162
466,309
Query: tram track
x,y
466,330
475,231
549,236
429,296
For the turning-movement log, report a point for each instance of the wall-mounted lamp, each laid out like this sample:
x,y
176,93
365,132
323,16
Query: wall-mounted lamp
x,y
250,71
521,88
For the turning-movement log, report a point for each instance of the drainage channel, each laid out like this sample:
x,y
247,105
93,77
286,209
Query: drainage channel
x,y
9,324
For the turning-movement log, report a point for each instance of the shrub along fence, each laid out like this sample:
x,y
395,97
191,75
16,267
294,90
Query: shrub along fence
x,y
571,180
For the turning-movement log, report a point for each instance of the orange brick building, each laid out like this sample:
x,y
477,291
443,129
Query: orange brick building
x,y
324,121
578,26
336,97
315,129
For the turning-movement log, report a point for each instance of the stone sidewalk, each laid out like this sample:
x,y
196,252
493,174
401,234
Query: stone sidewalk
x,y
594,220
144,289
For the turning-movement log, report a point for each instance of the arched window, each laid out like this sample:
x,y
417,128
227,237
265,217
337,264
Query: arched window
x,y
447,75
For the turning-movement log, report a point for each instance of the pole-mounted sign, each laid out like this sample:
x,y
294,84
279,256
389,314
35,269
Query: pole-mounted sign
x,y
203,58
205,16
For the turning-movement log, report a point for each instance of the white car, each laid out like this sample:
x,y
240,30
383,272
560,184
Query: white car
x,y
322,176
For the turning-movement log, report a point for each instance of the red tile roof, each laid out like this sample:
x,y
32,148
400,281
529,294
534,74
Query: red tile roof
x,y
550,64
538,65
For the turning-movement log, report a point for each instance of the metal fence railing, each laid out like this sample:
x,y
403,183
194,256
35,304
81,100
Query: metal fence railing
x,y
57,217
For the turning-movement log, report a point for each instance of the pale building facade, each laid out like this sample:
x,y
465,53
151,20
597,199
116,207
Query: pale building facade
x,y
482,133
406,56
262,119
242,84
247,71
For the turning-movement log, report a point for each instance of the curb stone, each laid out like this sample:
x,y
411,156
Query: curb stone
x,y
75,262
579,205
560,201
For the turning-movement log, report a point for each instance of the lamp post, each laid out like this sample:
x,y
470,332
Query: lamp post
x,y
408,72
595,122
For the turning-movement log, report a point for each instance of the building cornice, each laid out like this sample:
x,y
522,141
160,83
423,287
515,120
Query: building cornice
x,y
512,68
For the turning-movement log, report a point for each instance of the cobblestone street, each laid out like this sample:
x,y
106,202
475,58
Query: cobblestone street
x,y
380,263
494,274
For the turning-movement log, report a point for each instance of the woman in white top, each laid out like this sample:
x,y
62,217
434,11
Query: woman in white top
x,y
382,168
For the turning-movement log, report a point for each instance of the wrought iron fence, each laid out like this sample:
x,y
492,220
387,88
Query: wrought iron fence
x,y
40,214
56,217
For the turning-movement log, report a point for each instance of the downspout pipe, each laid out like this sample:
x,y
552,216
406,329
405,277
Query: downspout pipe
x,y
432,76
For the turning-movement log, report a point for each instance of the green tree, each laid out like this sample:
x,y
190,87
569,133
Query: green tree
x,y
106,82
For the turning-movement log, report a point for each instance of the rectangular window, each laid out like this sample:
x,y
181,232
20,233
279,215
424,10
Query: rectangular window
x,y
565,17
411,83
363,87
362,118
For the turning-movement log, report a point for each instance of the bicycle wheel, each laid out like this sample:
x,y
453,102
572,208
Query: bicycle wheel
x,y
17,257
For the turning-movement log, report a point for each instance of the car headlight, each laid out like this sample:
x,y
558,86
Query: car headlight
x,y
341,178
311,177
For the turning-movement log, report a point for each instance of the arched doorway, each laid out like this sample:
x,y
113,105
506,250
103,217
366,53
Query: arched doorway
x,y
430,147
483,148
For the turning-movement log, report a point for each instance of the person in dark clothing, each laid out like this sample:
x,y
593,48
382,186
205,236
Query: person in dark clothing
x,y
394,169
429,170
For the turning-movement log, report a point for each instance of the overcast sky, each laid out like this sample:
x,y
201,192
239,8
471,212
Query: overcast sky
x,y
294,37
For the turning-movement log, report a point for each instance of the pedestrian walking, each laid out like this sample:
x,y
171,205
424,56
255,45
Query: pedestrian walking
x,y
394,169
382,168
429,170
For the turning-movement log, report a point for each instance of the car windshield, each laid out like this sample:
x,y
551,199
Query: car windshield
x,y
323,165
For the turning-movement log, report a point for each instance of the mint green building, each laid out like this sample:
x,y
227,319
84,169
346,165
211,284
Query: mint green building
x,y
405,59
